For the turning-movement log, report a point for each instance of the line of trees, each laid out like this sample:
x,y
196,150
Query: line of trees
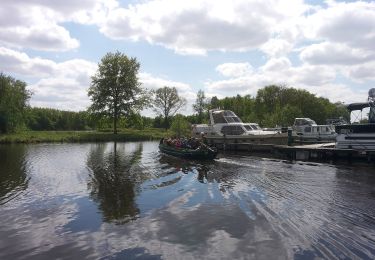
x,y
279,105
118,97
13,102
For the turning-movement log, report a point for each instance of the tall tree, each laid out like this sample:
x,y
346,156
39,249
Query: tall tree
x,y
201,104
115,89
13,101
167,102
214,103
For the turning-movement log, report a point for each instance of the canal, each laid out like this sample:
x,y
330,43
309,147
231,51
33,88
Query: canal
x,y
127,201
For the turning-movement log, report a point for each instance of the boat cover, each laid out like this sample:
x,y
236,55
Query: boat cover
x,y
357,106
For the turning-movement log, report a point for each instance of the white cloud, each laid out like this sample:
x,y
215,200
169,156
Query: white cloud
x,y
346,32
60,93
234,69
46,37
277,47
37,24
195,27
150,82
338,92
352,24
59,85
310,75
362,72
335,54
20,63
276,64
319,80
66,87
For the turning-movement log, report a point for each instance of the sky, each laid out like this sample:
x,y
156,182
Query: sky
x,y
222,47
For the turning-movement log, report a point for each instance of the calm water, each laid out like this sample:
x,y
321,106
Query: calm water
x,y
126,201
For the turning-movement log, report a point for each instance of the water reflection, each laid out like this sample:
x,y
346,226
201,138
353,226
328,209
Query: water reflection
x,y
187,166
127,201
13,173
114,180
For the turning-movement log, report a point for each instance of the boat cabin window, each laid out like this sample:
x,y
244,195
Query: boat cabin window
x,y
232,130
248,127
308,129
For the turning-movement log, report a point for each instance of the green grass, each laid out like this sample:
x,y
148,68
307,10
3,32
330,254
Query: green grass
x,y
83,136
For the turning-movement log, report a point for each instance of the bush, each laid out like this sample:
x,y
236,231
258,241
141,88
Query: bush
x,y
180,127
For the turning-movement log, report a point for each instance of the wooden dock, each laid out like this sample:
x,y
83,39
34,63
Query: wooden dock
x,y
307,152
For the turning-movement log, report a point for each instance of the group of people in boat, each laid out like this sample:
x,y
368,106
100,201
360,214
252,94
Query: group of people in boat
x,y
182,142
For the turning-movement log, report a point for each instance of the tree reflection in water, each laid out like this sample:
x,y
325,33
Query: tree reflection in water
x,y
187,166
13,174
114,180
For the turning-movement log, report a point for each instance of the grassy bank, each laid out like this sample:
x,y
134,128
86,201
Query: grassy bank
x,y
83,136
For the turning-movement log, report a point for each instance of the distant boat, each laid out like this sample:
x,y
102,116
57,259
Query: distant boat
x,y
308,130
203,152
359,136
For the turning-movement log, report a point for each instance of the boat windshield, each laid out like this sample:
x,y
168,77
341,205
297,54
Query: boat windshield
x,y
225,117
304,121
256,127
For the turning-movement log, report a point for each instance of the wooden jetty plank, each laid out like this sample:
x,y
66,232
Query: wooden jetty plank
x,y
320,151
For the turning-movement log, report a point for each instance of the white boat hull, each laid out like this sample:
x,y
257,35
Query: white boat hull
x,y
278,138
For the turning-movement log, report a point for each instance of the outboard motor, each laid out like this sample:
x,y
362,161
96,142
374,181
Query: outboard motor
x,y
371,101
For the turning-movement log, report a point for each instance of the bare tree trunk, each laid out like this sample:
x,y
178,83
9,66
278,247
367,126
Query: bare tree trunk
x,y
115,124
166,123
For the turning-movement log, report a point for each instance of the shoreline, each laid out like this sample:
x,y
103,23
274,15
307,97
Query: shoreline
x,y
29,137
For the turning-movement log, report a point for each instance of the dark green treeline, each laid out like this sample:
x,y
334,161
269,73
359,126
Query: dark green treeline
x,y
278,105
58,120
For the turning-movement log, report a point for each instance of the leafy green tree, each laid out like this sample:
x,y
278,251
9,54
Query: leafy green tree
x,y
280,105
158,122
147,122
167,102
13,101
115,90
200,105
214,102
135,121
180,126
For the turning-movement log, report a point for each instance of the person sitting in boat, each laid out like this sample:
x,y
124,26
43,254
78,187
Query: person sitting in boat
x,y
185,143
178,143
166,141
194,143
182,143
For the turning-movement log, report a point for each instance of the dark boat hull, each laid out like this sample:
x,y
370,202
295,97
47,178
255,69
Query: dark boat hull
x,y
200,154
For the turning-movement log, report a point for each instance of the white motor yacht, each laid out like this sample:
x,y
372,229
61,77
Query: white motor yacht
x,y
225,125
308,130
359,136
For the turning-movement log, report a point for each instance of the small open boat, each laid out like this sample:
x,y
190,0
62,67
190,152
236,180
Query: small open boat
x,y
204,152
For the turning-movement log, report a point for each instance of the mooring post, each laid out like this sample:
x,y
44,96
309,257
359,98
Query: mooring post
x,y
290,137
